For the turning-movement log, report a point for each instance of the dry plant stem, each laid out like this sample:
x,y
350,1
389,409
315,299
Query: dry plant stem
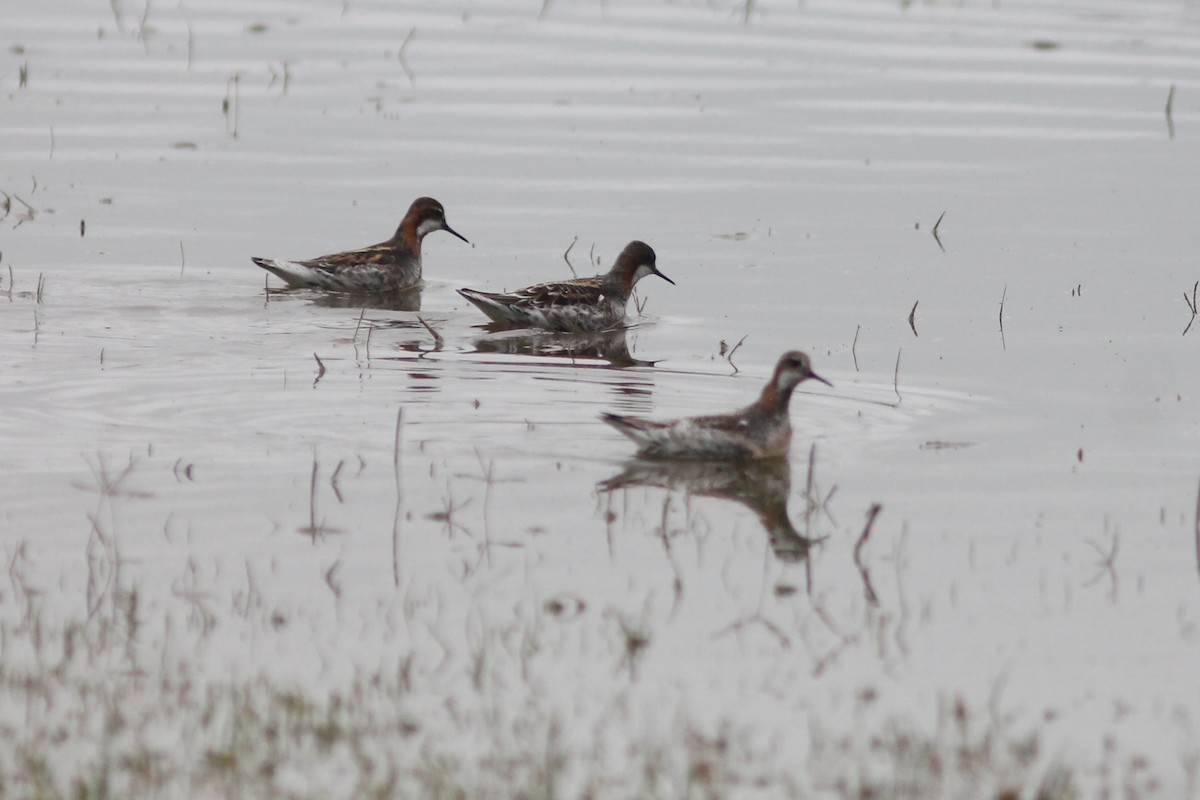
x,y
1000,317
896,376
1191,304
872,513
729,357
438,341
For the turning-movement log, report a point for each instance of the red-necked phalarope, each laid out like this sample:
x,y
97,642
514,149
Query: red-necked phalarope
x,y
760,430
582,304
384,267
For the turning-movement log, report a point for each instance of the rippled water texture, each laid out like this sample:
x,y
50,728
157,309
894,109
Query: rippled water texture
x,y
1015,391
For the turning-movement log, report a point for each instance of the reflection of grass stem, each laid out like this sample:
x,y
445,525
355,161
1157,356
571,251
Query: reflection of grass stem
x,y
232,102
1168,110
399,498
1198,529
872,514
400,57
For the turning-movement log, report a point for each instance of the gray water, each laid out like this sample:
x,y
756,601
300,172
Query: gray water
x,y
1032,437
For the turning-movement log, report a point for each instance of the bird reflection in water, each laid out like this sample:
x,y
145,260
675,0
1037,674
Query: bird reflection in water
x,y
762,486
609,346
402,300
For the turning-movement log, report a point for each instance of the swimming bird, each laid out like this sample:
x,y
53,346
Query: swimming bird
x,y
384,267
581,304
760,430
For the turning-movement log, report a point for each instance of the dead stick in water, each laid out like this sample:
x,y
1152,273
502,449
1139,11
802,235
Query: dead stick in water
x,y
937,238
729,357
438,341
1191,304
320,369
566,258
896,376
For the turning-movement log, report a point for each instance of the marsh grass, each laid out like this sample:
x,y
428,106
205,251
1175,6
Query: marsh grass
x,y
133,689
88,712
92,727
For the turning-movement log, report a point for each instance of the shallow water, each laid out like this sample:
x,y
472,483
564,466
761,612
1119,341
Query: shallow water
x,y
789,171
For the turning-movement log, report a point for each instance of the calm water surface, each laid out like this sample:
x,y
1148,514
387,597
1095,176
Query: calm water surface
x,y
1033,442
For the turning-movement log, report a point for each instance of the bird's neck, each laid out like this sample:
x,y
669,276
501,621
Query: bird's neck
x,y
775,398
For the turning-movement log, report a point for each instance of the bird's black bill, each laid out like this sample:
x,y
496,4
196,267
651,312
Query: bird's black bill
x,y
450,230
664,277
817,377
